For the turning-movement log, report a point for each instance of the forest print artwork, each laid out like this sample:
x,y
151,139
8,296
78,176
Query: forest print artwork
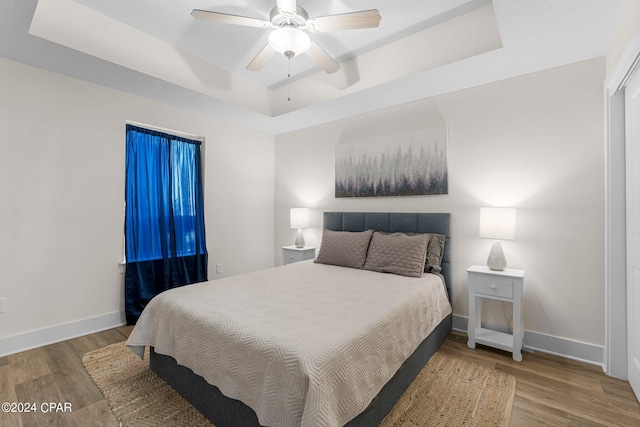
x,y
409,164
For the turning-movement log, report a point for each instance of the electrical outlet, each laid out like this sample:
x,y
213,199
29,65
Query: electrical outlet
x,y
218,268
3,305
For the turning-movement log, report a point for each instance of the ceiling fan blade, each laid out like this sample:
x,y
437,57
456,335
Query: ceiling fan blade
x,y
287,7
322,58
345,21
261,58
205,15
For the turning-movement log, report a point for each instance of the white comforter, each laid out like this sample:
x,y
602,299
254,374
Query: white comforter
x,y
304,344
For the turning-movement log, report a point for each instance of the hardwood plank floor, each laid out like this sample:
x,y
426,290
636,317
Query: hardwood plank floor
x,y
551,391
554,391
55,374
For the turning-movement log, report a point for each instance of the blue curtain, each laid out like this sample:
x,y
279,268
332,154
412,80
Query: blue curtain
x,y
164,222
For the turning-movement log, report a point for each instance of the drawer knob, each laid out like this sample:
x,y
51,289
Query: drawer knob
x,y
493,286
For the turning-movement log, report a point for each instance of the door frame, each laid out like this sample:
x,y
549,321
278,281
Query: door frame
x,y
615,351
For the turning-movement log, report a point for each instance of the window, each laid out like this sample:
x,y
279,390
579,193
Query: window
x,y
164,215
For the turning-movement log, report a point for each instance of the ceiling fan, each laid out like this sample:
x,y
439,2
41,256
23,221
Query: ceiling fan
x,y
290,25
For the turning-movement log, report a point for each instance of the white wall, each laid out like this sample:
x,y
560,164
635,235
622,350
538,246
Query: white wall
x,y
62,154
533,143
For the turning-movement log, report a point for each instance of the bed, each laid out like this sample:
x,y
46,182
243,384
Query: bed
x,y
338,351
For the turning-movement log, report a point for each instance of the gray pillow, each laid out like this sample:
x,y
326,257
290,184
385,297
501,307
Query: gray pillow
x,y
344,248
435,251
397,253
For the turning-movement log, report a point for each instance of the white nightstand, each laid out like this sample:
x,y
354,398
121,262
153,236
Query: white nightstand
x,y
292,254
504,285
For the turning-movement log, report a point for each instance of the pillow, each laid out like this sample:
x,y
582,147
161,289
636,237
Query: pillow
x,y
397,253
435,251
344,248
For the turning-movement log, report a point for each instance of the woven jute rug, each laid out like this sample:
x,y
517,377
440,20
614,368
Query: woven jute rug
x,y
448,392
453,392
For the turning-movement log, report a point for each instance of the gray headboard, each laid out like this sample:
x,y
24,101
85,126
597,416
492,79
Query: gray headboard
x,y
391,222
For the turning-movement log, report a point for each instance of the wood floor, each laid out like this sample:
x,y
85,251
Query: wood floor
x,y
551,391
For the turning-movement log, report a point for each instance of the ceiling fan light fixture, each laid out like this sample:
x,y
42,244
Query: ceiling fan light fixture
x,y
287,20
289,41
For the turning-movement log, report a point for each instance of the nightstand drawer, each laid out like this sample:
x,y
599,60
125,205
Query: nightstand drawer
x,y
293,256
495,286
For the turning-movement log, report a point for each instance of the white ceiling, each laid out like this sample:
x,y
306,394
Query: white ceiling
x,y
233,47
422,48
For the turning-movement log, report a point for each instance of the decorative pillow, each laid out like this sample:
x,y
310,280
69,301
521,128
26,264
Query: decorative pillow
x,y
435,251
344,248
397,253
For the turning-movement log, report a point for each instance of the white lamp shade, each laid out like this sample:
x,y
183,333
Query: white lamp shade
x,y
299,218
498,223
289,39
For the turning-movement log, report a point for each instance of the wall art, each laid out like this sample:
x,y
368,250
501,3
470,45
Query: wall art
x,y
409,164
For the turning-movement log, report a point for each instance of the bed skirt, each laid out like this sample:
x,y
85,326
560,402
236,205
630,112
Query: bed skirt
x,y
226,412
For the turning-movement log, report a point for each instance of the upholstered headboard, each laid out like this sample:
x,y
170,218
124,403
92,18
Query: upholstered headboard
x,y
391,222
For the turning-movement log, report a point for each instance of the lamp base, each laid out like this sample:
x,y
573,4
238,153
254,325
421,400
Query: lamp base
x,y
299,239
496,260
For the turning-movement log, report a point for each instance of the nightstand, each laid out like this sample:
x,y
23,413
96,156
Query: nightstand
x,y
506,286
291,254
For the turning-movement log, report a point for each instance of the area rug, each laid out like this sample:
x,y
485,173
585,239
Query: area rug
x,y
453,392
448,392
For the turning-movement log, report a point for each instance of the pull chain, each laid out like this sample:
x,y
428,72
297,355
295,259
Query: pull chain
x,y
289,79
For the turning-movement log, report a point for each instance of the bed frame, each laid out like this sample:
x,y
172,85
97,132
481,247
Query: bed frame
x,y
224,411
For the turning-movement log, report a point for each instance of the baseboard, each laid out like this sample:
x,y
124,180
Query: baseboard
x,y
40,337
534,341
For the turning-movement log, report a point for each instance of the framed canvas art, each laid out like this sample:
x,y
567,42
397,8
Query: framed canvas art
x,y
409,164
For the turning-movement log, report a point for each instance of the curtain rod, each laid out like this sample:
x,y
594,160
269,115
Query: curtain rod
x,y
165,130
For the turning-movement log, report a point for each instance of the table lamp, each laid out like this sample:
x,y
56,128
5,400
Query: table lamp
x,y
498,224
299,218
